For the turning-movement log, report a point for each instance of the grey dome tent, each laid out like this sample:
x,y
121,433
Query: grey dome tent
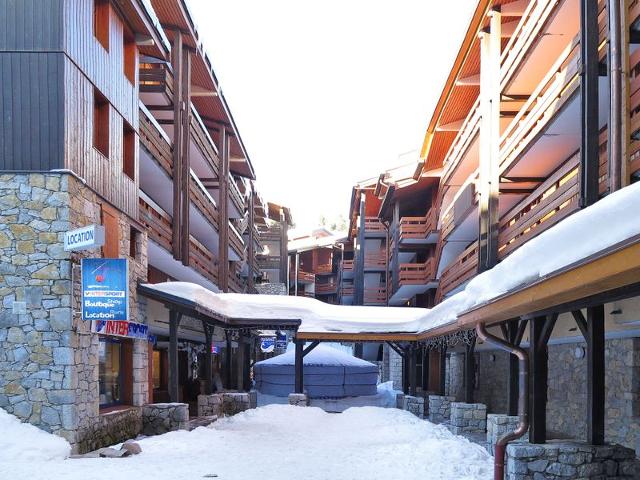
x,y
328,373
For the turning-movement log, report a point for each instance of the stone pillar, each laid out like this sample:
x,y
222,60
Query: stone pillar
x,y
298,399
440,408
210,405
498,425
159,418
235,402
413,405
468,417
565,460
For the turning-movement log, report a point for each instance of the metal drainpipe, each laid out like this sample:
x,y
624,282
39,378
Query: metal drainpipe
x,y
523,398
615,97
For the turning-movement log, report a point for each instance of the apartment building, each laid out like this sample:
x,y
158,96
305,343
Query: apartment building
x,y
113,120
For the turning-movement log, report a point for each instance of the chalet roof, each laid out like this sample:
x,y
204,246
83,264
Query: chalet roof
x,y
214,111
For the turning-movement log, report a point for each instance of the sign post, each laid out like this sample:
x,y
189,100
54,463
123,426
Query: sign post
x,y
105,289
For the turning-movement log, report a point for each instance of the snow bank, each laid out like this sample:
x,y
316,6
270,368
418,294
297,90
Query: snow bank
x,y
320,355
22,442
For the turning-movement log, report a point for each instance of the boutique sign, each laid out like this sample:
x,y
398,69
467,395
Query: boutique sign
x,y
121,328
105,289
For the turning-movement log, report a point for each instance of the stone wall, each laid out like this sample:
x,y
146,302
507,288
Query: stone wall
x,y
565,460
395,368
440,408
566,403
159,418
271,288
48,355
500,424
210,405
298,399
414,405
454,379
111,428
468,418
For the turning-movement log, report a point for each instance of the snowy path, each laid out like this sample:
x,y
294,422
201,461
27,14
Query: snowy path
x,y
283,442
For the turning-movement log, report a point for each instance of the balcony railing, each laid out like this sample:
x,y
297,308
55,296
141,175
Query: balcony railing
x,y
347,290
375,296
463,268
204,142
201,258
416,273
155,140
235,240
155,77
324,269
158,223
373,225
375,260
326,288
303,277
203,201
236,284
418,227
553,200
347,265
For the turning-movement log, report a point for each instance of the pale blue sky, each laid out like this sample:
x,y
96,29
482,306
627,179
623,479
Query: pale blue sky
x,y
329,93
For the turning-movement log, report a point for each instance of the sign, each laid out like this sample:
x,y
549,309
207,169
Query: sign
x,y
215,349
84,238
105,289
267,344
281,340
121,328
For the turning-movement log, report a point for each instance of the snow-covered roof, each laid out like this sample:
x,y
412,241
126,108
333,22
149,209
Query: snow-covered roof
x,y
579,236
320,355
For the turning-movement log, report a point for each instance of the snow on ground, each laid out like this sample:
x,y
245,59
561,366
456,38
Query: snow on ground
x,y
25,443
281,442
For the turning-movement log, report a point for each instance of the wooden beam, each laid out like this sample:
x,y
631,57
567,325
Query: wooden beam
x,y
581,322
228,360
251,252
299,368
443,370
223,212
469,369
310,347
468,81
413,369
208,357
185,158
425,370
514,9
177,62
174,323
538,364
595,376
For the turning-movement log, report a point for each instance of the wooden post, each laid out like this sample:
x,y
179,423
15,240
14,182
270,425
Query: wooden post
x,y
208,358
515,331
358,349
540,329
176,170
359,266
395,263
595,375
299,368
413,369
469,368
284,250
425,369
490,53
246,379
252,249
185,160
589,146
174,323
228,361
443,370
223,212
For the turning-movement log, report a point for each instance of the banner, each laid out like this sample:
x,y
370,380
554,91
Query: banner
x,y
267,344
105,289
120,328
281,340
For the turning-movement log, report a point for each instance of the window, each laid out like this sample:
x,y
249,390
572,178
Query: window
x,y
100,123
129,151
134,247
110,372
101,14
129,55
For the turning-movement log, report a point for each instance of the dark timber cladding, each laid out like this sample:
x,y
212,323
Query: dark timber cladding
x,y
359,264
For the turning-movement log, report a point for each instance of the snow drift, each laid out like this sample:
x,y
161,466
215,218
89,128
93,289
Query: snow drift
x,y
328,372
22,442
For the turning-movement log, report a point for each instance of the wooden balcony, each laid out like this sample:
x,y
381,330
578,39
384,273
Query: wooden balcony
x,y
375,296
202,260
236,283
236,241
155,78
158,223
553,200
416,273
373,225
203,141
347,290
155,141
203,201
346,265
328,288
303,277
463,268
416,229
324,269
376,260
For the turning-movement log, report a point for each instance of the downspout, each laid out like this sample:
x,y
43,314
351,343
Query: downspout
x,y
615,98
523,398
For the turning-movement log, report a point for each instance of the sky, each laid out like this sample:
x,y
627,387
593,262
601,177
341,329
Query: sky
x,y
326,94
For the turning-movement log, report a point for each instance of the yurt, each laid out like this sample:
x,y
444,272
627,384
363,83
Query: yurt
x,y
328,373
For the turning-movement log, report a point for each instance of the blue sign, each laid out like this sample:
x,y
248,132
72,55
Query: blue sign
x,y
281,341
267,344
105,289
